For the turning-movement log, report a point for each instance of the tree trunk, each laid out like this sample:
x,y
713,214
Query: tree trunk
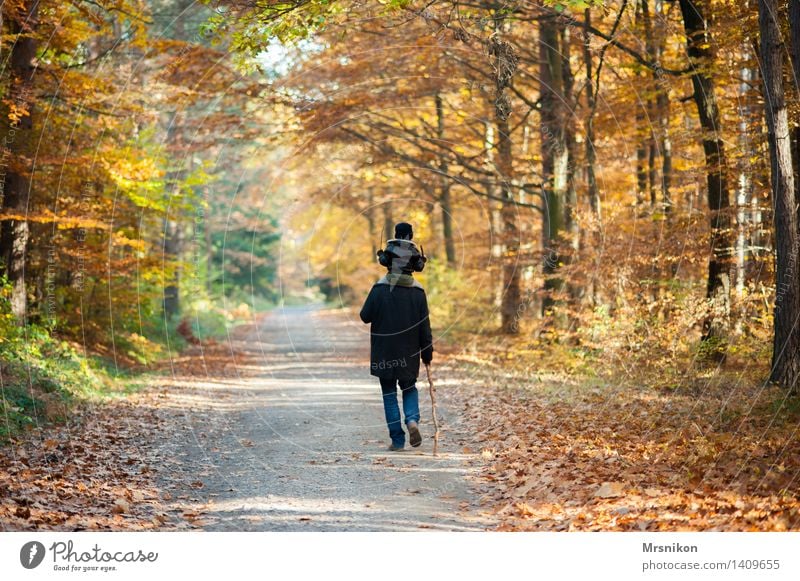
x,y
576,290
510,308
369,213
555,157
17,182
794,36
652,149
744,190
388,222
591,156
444,195
496,225
786,339
172,245
570,195
209,243
641,157
662,111
701,58
172,237
505,63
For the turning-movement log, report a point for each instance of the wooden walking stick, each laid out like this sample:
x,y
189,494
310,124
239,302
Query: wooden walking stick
x,y
433,410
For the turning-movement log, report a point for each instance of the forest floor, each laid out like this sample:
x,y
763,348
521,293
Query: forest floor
x,y
281,428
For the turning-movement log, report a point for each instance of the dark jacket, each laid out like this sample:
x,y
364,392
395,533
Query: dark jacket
x,y
401,257
401,330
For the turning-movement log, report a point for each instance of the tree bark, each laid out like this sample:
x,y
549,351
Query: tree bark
x,y
496,223
641,157
570,194
444,195
369,213
662,111
555,157
794,37
172,235
744,190
701,58
591,156
652,112
786,339
510,308
388,222
17,182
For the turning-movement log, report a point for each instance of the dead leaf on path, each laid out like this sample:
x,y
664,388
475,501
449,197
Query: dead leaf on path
x,y
524,509
610,490
304,518
121,506
247,443
652,492
197,484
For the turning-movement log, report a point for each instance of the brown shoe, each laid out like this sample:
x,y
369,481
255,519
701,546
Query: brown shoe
x,y
414,437
393,448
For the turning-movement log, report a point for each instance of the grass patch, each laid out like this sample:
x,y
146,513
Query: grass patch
x,y
42,375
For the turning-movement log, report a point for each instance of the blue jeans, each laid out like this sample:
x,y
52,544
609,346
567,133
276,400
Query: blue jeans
x,y
410,406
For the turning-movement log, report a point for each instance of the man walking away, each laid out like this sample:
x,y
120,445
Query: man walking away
x,y
400,334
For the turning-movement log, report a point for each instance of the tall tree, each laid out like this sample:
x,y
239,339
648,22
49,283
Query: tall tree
x,y
505,64
555,154
445,185
701,61
786,340
17,182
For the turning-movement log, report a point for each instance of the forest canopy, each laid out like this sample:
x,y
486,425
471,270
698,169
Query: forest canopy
x,y
591,178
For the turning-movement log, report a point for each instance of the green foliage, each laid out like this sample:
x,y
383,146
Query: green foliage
x,y
18,410
43,375
244,262
712,349
287,21
562,5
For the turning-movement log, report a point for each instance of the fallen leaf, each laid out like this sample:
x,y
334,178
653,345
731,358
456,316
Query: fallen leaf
x,y
121,506
610,490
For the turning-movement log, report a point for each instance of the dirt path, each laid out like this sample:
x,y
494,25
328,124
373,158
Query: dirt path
x,y
293,438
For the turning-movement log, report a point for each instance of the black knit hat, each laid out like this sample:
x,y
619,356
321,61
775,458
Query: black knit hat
x,y
403,230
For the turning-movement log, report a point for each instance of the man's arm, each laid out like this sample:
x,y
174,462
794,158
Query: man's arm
x,y
368,310
425,335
